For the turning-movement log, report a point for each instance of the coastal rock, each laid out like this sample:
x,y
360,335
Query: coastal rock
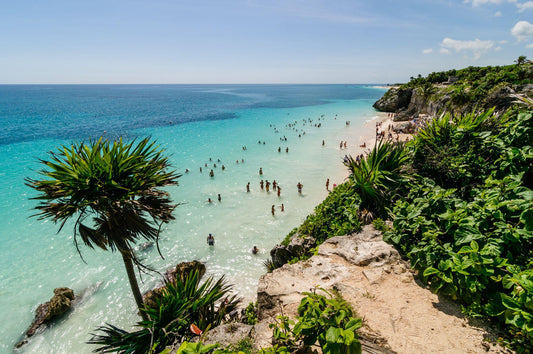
x,y
59,304
399,314
228,334
297,246
394,100
500,98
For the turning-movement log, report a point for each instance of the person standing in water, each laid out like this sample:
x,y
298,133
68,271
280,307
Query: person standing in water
x,y
282,207
248,188
211,174
267,186
327,184
219,198
273,209
260,171
262,184
255,250
279,191
210,240
300,186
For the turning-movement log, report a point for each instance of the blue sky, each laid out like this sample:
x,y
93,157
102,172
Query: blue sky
x,y
255,41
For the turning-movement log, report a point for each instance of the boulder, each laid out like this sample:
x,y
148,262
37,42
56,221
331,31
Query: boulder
x,y
297,246
228,334
394,100
59,304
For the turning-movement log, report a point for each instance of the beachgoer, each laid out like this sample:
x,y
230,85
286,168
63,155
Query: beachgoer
x,y
215,165
279,149
219,198
255,250
262,184
210,160
223,167
242,160
260,171
345,145
267,186
287,150
279,191
211,174
340,145
282,207
209,200
323,143
187,170
274,185
210,240
200,170
327,184
248,187
300,186
273,209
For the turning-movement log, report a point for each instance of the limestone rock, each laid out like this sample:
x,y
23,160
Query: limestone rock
x,y
297,246
59,304
228,334
394,100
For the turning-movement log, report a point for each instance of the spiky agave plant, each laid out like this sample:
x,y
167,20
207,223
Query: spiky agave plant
x,y
376,176
181,304
112,192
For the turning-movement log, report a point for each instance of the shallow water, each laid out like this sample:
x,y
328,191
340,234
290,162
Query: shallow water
x,y
193,123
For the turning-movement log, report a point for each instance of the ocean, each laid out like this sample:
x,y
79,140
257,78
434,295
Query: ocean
x,y
197,125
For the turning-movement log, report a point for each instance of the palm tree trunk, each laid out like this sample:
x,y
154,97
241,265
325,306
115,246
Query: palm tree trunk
x,y
133,283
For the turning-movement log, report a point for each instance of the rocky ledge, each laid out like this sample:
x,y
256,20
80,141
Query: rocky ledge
x,y
399,313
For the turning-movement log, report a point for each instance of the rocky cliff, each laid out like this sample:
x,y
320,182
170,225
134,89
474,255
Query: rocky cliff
x,y
399,314
409,102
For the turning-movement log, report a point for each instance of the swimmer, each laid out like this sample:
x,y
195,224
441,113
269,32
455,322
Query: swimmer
x,y
200,169
236,161
215,165
210,240
262,184
260,171
279,191
248,188
209,200
287,150
299,186
282,207
345,145
279,149
223,167
219,198
267,186
242,160
187,170
327,184
323,143
274,185
255,250
273,210
211,174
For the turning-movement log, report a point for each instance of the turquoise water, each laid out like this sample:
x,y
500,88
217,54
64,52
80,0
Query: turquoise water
x,y
194,124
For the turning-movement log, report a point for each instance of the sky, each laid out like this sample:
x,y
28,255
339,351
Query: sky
x,y
255,41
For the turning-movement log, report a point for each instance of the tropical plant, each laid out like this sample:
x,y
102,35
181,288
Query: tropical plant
x,y
378,176
521,60
326,319
181,304
118,185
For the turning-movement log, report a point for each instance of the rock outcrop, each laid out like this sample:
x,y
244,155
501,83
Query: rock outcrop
x,y
399,314
394,100
297,246
59,304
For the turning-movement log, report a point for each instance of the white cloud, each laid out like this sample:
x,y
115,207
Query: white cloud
x,y
528,5
483,2
530,46
444,51
477,47
498,49
427,51
498,14
502,42
522,30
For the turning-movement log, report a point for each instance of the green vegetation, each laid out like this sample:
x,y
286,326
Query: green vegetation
x,y
118,184
473,85
335,216
326,319
180,305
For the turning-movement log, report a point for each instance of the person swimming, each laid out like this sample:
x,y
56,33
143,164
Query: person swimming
x,y
210,240
211,174
255,250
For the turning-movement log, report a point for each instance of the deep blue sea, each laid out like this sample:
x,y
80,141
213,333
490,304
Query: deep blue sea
x,y
198,125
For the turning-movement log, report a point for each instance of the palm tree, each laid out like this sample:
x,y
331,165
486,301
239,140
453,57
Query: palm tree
x,y
111,191
521,60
